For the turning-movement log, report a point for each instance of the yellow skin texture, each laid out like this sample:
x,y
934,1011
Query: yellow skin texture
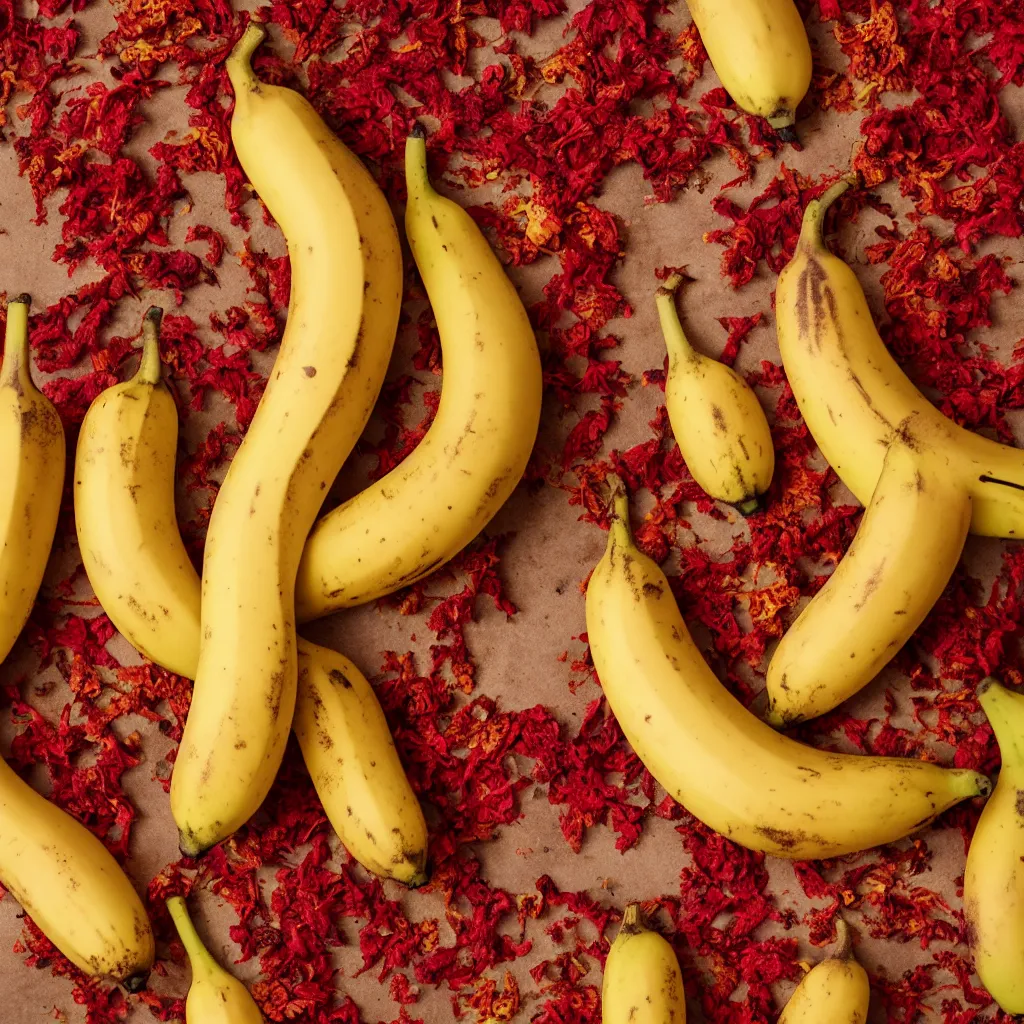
x,y
760,51
124,512
343,312
428,508
215,996
907,546
32,471
994,877
837,989
642,980
780,796
856,399
718,422
69,883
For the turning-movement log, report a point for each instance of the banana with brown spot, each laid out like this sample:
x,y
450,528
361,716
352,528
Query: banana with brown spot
x,y
428,508
722,763
343,312
837,989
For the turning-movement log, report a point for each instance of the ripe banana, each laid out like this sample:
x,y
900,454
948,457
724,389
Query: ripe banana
x,y
642,980
124,512
905,551
760,51
855,398
723,764
994,878
215,996
718,422
431,506
32,470
343,313
836,989
68,882
360,780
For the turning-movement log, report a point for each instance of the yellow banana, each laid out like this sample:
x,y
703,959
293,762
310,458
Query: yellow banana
x,y
905,551
718,422
431,506
642,980
68,882
994,878
343,312
855,398
124,513
360,780
836,989
724,765
760,51
32,471
215,996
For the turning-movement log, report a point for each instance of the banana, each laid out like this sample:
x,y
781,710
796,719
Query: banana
x,y
994,877
349,752
343,313
836,989
901,559
760,51
855,398
124,512
430,507
68,882
642,980
32,470
215,996
724,765
718,422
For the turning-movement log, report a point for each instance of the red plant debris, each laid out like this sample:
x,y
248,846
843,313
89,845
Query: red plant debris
x,y
527,134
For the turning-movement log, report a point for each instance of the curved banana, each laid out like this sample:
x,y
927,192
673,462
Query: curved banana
x,y
351,756
68,882
994,878
32,471
124,512
642,980
856,399
444,493
215,996
907,546
718,422
343,313
760,50
724,765
837,989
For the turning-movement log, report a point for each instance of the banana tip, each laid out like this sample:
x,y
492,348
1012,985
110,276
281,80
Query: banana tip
x,y
137,982
418,131
985,685
418,880
155,314
190,847
24,299
787,133
983,785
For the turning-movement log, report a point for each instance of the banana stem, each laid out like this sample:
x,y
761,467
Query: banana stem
x,y
844,951
811,232
619,534
198,955
150,367
239,62
15,369
678,345
417,181
1005,710
632,920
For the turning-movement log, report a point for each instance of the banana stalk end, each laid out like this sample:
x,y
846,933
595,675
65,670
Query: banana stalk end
x,y
239,62
150,368
632,920
814,216
24,299
844,951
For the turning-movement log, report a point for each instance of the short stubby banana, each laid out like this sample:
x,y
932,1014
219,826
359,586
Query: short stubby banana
x,y
837,989
215,996
68,882
124,512
907,546
760,50
856,399
32,471
994,878
358,776
642,980
444,493
342,317
722,763
719,425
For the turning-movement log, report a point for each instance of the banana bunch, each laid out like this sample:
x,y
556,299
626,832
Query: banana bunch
x,y
760,51
642,980
836,989
214,997
724,765
718,422
994,878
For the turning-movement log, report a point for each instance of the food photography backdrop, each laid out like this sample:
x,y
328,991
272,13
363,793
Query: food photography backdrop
x,y
596,147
